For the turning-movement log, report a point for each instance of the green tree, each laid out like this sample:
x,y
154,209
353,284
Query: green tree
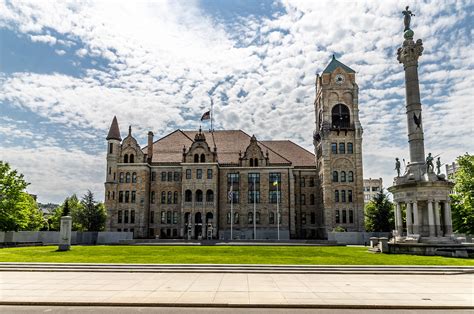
x,y
75,208
92,216
463,198
18,210
379,214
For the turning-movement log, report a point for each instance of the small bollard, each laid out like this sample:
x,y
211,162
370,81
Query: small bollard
x,y
65,233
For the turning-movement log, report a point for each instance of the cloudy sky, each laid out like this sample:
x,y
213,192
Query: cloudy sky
x,y
67,67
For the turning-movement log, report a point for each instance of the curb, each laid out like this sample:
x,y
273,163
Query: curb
x,y
228,305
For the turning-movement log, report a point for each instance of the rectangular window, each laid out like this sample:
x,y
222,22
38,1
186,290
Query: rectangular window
x,y
198,173
336,196
134,196
113,195
132,217
302,182
274,180
110,170
175,218
188,174
111,148
344,218
350,148
176,176
127,196
303,218
338,219
349,196
351,216
170,176
168,217
209,174
254,188
153,176
375,188
311,182
303,199
152,217
125,216
233,187
119,217
313,218
163,176
152,198
334,148
343,196
163,217
342,148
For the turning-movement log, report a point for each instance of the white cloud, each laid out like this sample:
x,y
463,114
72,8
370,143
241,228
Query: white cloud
x,y
47,39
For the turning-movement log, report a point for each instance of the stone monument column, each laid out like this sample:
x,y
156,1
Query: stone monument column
x,y
409,218
408,54
431,219
448,224
399,222
437,219
416,220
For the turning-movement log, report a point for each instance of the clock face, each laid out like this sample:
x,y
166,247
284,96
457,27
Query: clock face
x,y
339,79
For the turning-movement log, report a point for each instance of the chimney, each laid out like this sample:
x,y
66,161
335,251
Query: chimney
x,y
150,146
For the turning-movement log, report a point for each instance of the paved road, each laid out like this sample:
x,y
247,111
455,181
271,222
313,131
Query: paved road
x,y
90,288
178,310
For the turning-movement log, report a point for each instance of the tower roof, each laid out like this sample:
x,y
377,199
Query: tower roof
x,y
114,131
334,64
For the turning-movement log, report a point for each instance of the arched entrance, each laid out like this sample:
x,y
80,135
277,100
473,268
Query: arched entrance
x,y
197,225
209,228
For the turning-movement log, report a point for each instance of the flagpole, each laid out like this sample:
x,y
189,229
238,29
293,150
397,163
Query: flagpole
x,y
278,215
254,212
231,207
212,115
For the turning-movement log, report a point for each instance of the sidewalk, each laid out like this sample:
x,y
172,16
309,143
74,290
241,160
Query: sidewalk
x,y
231,289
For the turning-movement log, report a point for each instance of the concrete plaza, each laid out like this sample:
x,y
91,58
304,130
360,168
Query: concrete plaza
x,y
225,289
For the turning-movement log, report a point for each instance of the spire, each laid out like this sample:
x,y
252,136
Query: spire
x,y
129,130
114,131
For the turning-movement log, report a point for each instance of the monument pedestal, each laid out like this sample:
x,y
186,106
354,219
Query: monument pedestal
x,y
65,233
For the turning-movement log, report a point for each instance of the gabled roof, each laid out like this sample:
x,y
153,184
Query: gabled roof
x,y
335,64
229,143
114,131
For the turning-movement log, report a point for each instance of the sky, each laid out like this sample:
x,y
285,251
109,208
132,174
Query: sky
x,y
67,67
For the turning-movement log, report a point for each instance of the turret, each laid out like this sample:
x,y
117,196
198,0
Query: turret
x,y
113,150
150,146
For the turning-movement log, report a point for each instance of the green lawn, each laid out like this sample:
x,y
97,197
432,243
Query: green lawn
x,y
324,255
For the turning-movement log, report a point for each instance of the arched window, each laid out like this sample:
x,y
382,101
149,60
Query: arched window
x,y
251,162
198,196
236,218
272,218
134,177
163,197
343,196
127,177
250,217
343,176
203,158
168,217
335,176
188,196
175,197
186,218
132,158
125,158
121,177
209,196
255,163
350,176
257,219
196,158
311,199
340,116
170,197
336,196
209,217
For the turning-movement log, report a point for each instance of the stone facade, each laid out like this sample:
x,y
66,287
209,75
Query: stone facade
x,y
180,185
338,148
371,188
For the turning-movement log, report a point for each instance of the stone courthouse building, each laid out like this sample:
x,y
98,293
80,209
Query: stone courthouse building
x,y
200,184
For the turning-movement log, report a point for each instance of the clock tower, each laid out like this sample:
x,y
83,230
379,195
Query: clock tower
x,y
338,148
